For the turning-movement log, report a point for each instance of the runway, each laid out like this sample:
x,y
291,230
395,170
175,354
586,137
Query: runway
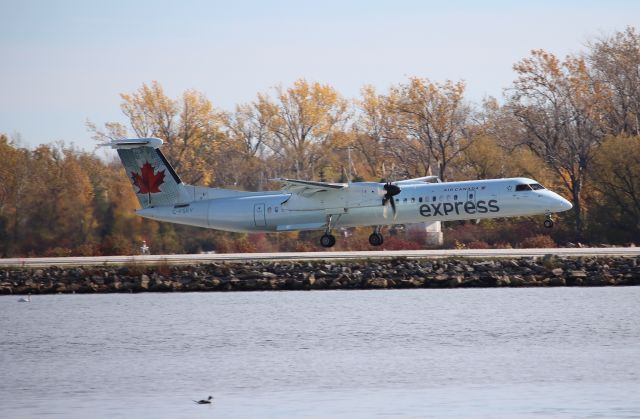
x,y
303,256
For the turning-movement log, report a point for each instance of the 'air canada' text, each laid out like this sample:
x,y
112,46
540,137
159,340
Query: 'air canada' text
x,y
469,207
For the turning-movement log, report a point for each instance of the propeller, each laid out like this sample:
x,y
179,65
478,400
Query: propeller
x,y
391,191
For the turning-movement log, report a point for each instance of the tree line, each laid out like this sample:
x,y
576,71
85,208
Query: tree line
x,y
571,123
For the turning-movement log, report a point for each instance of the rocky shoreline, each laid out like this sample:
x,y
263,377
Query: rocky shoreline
x,y
547,271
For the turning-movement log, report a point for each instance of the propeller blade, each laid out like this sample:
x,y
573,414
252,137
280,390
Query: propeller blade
x,y
391,191
393,206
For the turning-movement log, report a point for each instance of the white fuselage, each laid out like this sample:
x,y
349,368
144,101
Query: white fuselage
x,y
359,205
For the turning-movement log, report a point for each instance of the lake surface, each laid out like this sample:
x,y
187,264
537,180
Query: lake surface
x,y
498,353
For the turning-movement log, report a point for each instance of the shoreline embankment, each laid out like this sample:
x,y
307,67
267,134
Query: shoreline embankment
x,y
547,271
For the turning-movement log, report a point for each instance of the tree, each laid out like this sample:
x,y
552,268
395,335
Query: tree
x,y
617,179
248,132
376,132
559,106
15,175
301,121
434,118
615,63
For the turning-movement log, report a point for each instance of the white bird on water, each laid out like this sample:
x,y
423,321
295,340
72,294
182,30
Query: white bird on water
x,y
26,299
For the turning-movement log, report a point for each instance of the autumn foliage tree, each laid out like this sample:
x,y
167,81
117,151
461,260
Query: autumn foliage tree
x,y
435,120
302,119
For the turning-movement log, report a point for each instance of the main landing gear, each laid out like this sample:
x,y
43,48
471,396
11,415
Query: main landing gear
x,y
327,240
548,223
376,239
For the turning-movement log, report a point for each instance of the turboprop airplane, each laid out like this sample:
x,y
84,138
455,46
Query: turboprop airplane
x,y
308,205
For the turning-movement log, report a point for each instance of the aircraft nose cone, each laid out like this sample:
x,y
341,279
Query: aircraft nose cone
x,y
564,204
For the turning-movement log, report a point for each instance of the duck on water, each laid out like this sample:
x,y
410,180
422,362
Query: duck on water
x,y
208,401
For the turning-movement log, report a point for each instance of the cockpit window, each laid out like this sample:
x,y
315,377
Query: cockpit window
x,y
520,188
536,186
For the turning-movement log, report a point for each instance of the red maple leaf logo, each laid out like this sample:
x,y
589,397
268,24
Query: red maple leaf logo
x,y
147,181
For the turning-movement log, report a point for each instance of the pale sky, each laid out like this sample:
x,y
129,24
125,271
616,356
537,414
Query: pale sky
x,y
63,62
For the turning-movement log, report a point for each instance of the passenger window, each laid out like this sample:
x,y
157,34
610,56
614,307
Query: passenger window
x,y
397,200
275,209
470,196
413,200
434,198
420,199
455,197
404,200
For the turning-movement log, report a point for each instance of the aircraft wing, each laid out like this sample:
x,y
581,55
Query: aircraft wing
x,y
306,186
424,179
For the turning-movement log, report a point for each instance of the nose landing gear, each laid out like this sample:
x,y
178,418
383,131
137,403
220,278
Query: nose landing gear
x,y
548,223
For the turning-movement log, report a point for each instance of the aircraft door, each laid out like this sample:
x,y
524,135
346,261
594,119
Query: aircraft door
x,y
259,215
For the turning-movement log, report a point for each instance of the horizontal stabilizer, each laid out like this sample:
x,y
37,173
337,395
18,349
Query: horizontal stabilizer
x,y
130,143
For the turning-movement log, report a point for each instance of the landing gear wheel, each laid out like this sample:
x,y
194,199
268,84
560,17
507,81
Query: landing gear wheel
x,y
327,240
548,223
376,239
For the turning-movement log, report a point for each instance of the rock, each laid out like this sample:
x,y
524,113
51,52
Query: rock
x,y
416,282
516,281
455,282
574,281
185,280
512,264
144,282
503,281
269,275
557,282
335,284
376,283
530,280
484,266
311,279
557,271
577,274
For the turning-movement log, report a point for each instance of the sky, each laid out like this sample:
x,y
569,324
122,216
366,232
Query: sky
x,y
65,62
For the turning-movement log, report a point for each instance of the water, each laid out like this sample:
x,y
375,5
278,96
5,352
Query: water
x,y
555,352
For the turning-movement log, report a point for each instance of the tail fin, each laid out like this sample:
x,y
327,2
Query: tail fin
x,y
154,180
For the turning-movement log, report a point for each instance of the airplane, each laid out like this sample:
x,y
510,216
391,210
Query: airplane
x,y
309,205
